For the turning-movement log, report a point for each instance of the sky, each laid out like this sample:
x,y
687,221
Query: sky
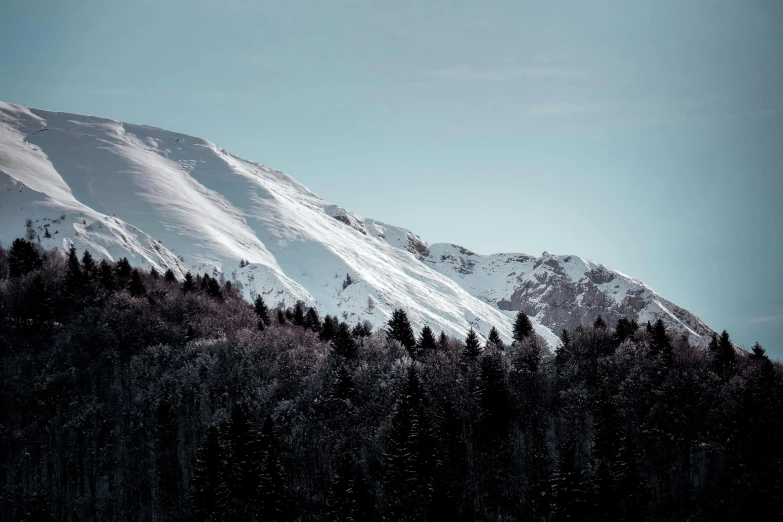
x,y
645,135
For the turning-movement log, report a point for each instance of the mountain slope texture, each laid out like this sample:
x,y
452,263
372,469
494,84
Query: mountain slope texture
x,y
168,200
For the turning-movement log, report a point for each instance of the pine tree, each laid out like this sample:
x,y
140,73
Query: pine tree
x,y
494,339
213,287
443,341
408,459
23,258
169,276
329,328
273,497
540,474
106,275
154,273
210,486
123,270
88,265
299,314
472,349
342,388
281,316
399,329
522,326
343,343
259,306
599,322
493,400
563,351
660,346
349,499
189,284
245,459
312,321
136,287
361,330
625,330
570,489
427,339
725,356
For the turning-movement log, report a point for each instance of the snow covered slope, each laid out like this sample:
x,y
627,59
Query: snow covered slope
x,y
169,200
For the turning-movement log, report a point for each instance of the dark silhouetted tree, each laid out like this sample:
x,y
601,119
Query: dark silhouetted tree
x,y
399,329
522,326
343,342
23,258
427,339
189,284
472,349
494,339
136,286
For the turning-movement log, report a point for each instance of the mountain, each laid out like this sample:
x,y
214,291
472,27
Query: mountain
x,y
167,200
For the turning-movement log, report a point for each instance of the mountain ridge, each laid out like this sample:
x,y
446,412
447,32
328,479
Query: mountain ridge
x,y
169,200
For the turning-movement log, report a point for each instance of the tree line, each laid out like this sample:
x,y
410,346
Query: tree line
x,y
131,395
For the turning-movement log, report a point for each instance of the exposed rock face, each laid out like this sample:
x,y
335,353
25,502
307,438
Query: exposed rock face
x,y
561,292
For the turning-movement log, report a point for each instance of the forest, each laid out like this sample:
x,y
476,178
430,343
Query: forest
x,y
132,395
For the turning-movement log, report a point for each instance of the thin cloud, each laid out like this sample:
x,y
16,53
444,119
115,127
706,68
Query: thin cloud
x,y
766,319
111,91
561,109
463,72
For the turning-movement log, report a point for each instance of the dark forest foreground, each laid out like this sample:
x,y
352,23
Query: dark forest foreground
x,y
129,395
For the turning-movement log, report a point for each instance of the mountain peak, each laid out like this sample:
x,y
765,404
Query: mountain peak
x,y
169,200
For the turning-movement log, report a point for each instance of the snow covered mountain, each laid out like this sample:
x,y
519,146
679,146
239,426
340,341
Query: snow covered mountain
x,y
169,200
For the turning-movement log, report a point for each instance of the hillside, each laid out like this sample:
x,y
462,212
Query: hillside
x,y
169,200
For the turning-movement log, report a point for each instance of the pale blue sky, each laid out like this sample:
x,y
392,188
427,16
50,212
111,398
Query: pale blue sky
x,y
644,135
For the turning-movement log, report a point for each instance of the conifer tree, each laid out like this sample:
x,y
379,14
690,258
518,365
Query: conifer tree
x,y
88,265
244,462
213,287
261,310
73,276
570,489
427,339
494,339
625,330
599,322
659,342
349,500
443,341
273,496
563,351
408,458
123,270
361,330
136,287
725,357
342,388
312,321
281,316
343,343
106,275
522,326
23,258
189,284
329,328
299,314
399,329
493,399
169,276
154,273
210,486
472,349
